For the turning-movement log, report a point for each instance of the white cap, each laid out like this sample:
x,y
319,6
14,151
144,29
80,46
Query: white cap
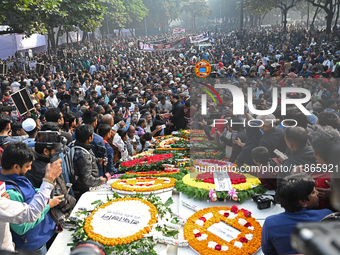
x,y
136,88
172,82
184,86
29,124
115,86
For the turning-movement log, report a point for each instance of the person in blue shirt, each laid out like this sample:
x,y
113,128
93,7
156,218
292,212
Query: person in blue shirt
x,y
105,131
297,195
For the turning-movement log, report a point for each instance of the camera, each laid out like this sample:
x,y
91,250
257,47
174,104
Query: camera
x,y
263,202
57,192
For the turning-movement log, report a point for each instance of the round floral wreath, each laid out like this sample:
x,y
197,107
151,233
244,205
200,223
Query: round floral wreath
x,y
249,184
123,240
143,184
193,132
157,173
148,163
206,163
207,243
165,144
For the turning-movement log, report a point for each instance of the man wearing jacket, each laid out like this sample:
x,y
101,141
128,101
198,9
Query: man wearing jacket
x,y
16,161
43,155
19,213
85,162
301,154
177,116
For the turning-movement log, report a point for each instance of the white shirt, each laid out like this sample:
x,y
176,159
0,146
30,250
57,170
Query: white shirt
x,y
327,63
92,69
52,101
265,59
19,213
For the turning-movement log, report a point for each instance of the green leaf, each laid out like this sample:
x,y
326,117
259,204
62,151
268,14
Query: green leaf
x,y
168,202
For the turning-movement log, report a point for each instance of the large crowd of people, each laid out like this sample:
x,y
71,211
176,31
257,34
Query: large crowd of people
x,y
107,103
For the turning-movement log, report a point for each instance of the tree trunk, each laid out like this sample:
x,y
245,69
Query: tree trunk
x,y
307,15
284,14
194,21
84,37
57,42
241,14
251,20
337,17
329,19
315,14
67,37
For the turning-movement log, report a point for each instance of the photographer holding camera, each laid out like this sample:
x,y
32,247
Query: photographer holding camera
x,y
16,162
44,152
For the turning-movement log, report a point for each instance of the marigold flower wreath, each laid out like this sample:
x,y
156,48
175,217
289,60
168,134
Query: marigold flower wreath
x,y
174,143
207,243
131,240
121,240
243,186
144,184
192,132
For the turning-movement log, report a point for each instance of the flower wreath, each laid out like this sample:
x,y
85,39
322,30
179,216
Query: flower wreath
x,y
174,143
143,184
207,243
155,173
140,241
209,163
146,163
200,190
121,240
192,132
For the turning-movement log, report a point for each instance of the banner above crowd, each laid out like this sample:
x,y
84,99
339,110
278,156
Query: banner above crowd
x,y
176,45
178,31
161,40
199,38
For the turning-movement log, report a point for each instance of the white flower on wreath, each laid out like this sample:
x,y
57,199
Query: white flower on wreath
x,y
202,237
238,244
224,248
249,236
199,222
242,221
212,245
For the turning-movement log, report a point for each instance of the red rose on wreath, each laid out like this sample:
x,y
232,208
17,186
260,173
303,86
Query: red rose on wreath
x,y
226,214
218,247
234,209
247,225
198,235
243,240
203,219
246,213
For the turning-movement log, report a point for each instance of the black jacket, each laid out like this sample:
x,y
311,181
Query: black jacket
x,y
85,167
236,149
178,115
37,173
302,157
274,139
